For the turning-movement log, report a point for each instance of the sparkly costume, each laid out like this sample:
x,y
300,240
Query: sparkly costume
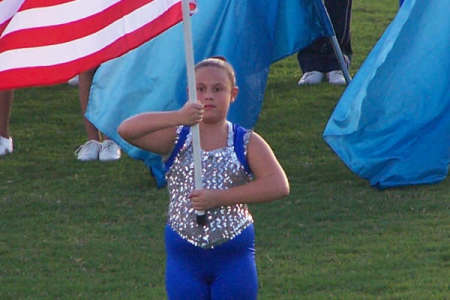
x,y
221,170
201,255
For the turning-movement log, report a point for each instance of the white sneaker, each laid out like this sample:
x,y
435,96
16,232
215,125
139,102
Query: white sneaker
x,y
336,77
73,81
110,151
313,77
6,145
89,150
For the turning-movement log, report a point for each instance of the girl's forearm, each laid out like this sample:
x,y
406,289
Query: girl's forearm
x,y
146,123
264,189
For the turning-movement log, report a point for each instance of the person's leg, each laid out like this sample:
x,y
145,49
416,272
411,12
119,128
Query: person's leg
x,y
185,276
94,149
340,14
320,58
6,98
310,62
309,59
84,87
236,277
91,149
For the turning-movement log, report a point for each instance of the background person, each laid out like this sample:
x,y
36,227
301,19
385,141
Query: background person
x,y
6,142
319,60
98,146
93,149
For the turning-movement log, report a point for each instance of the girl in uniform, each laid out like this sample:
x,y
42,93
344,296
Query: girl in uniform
x,y
215,260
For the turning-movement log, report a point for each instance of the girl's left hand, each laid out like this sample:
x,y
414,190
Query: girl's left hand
x,y
203,199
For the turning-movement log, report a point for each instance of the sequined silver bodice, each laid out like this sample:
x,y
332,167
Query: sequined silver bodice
x,y
221,170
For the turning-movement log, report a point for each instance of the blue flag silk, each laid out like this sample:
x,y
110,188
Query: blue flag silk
x,y
251,34
392,124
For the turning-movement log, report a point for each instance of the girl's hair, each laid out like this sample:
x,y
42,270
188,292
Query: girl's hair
x,y
219,62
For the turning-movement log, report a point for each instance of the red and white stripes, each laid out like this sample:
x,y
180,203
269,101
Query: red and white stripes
x,y
49,41
7,11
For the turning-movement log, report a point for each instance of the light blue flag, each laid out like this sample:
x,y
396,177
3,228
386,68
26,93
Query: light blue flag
x,y
251,34
392,124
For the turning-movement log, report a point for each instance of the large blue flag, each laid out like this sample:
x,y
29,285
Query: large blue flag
x,y
251,34
392,124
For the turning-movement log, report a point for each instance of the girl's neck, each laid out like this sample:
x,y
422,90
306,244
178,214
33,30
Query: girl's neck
x,y
213,136
213,126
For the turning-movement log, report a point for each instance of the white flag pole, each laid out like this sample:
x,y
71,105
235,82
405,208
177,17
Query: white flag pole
x,y
189,53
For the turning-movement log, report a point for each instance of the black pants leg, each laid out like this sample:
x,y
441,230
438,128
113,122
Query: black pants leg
x,y
319,56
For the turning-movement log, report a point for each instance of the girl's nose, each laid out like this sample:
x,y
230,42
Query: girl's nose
x,y
208,95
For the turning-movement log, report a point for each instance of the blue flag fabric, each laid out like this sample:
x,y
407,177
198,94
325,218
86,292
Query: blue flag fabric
x,y
392,124
251,34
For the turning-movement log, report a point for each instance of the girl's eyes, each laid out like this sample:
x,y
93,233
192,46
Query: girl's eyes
x,y
215,89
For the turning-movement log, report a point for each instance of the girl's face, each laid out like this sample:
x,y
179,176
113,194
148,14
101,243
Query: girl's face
x,y
215,92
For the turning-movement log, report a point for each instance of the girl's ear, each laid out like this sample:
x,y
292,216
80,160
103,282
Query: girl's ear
x,y
234,93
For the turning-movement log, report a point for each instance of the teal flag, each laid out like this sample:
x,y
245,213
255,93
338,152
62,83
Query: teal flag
x,y
251,34
392,124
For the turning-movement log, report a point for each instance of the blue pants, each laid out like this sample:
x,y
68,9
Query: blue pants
x,y
227,271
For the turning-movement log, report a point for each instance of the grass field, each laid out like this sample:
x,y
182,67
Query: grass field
x,y
71,230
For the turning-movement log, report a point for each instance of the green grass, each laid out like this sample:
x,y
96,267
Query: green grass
x,y
71,230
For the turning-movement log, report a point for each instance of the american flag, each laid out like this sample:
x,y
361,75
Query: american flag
x,y
44,42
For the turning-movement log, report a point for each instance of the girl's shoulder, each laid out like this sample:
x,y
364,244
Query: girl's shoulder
x,y
256,142
182,133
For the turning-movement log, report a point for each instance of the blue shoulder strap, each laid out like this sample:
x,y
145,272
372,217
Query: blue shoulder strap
x,y
238,143
181,139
